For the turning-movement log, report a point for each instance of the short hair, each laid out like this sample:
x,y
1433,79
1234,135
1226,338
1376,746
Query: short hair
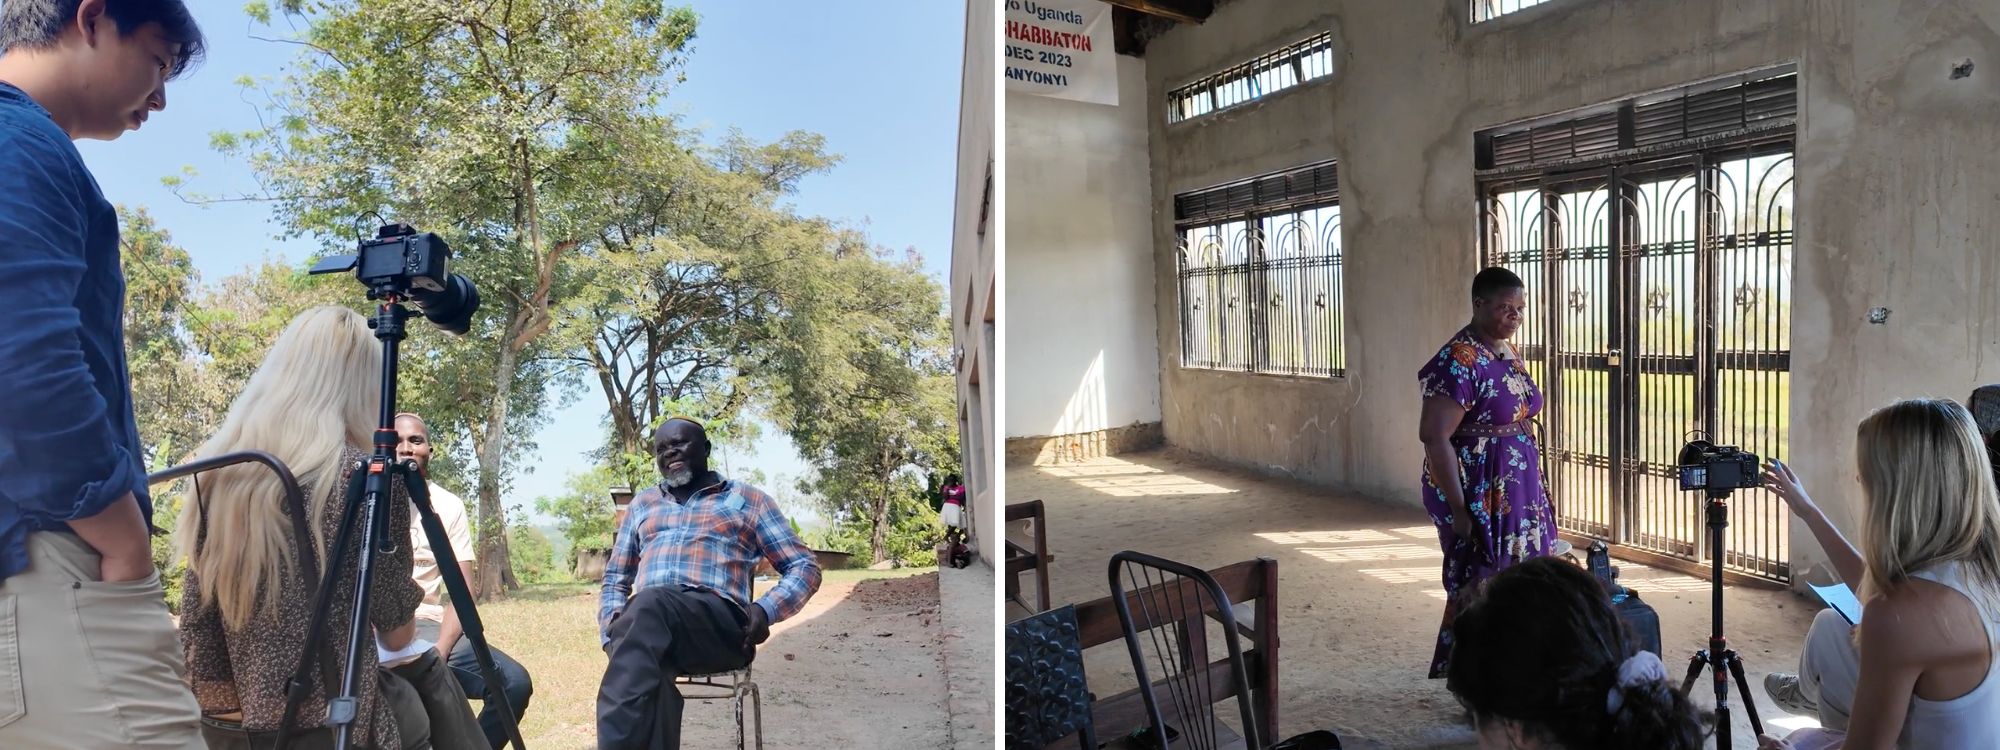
x,y
1493,281
36,24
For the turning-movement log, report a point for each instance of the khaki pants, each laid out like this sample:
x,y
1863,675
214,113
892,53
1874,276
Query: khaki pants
x,y
86,665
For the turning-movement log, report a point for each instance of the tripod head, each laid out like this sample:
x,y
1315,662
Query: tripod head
x,y
398,266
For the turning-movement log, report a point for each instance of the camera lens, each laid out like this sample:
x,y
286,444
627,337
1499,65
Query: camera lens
x,y
450,309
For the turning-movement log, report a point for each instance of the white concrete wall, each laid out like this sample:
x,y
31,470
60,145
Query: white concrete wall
x,y
1082,351
1898,190
975,237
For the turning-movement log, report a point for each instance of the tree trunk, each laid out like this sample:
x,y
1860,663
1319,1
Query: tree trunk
x,y
495,569
878,541
507,578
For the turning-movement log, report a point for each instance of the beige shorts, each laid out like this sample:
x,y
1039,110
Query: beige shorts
x,y
87,665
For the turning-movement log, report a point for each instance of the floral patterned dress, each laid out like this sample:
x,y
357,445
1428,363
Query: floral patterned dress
x,y
1500,476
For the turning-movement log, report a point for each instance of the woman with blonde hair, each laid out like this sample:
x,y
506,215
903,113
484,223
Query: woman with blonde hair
x,y
1919,670
245,603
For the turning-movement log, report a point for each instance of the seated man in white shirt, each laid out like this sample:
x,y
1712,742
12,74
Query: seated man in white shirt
x,y
438,622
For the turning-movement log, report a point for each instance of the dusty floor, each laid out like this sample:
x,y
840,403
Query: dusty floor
x,y
1358,590
860,667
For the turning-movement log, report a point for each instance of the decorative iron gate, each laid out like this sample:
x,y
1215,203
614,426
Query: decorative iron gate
x,y
1660,296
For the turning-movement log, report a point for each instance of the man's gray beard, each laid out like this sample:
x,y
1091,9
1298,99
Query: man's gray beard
x,y
678,478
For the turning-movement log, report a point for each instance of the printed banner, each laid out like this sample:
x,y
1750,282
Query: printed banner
x,y
1061,49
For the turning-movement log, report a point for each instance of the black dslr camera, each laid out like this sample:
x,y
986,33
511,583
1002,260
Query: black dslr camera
x,y
1718,469
403,263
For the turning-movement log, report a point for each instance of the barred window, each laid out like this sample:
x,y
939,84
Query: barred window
x,y
1260,275
1487,10
1274,71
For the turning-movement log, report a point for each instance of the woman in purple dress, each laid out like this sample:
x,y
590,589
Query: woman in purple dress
x,y
1482,471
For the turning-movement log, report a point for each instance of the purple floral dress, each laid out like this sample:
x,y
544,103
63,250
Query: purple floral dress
x,y
1501,476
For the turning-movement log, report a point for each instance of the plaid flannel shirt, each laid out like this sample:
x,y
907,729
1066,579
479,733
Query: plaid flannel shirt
x,y
712,541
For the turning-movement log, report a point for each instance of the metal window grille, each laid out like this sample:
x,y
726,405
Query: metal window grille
x,y
1260,275
1274,71
1659,277
1487,10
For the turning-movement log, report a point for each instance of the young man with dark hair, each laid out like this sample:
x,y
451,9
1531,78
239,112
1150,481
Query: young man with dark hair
x,y
88,654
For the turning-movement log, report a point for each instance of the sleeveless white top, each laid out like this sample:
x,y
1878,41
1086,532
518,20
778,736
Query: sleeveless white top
x,y
1971,720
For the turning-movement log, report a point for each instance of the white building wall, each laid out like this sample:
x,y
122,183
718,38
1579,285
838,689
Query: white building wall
x,y
1083,351
974,241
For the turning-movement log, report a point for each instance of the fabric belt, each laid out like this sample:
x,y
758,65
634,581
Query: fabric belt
x,y
1493,430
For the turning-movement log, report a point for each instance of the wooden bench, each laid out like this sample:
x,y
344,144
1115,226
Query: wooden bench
x,y
1028,553
1252,587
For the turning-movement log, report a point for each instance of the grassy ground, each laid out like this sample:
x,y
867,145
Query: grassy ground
x,y
552,630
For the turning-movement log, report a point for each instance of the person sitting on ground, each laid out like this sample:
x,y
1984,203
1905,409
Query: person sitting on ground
x,y
438,622
676,598
1922,672
1542,662
245,605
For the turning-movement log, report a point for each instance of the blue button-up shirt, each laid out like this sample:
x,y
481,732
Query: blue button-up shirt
x,y
69,446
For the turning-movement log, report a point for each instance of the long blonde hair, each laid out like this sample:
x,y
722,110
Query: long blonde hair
x,y
1930,494
315,395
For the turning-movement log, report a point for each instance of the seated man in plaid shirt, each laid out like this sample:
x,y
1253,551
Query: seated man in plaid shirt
x,y
676,595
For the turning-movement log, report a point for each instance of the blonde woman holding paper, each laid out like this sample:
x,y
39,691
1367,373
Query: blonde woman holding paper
x,y
1921,671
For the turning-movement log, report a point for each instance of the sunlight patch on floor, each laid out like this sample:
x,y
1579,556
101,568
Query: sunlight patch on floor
x,y
1160,484
1666,584
1404,575
1325,537
1373,553
1088,470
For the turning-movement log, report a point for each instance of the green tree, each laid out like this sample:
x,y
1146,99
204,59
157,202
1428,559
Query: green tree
x,y
493,124
534,558
177,401
866,390
584,513
689,270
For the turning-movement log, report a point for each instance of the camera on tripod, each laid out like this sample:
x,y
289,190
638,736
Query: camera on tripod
x,y
403,263
1718,469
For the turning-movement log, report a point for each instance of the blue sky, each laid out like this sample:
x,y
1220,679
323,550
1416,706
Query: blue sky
x,y
879,79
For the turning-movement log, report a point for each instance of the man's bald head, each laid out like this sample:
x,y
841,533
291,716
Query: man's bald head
x,y
680,450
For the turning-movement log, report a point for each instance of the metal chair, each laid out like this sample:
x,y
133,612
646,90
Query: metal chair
x,y
1047,695
1171,602
712,687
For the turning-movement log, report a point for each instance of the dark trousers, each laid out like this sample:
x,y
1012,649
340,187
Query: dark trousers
x,y
663,633
515,683
442,700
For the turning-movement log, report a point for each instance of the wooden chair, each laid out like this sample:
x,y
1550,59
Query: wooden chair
x,y
1030,553
1251,590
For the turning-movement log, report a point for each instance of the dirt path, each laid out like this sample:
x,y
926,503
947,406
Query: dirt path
x,y
860,667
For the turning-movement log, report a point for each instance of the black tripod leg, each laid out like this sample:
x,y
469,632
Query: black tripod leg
x,y
1695,663
302,681
461,600
1743,685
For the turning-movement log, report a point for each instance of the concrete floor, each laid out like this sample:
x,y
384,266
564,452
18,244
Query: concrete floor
x,y
966,619
1358,589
